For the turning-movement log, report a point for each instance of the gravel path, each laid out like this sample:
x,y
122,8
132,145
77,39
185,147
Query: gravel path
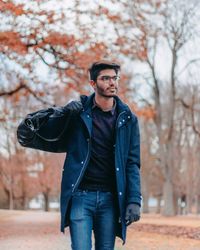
x,y
31,230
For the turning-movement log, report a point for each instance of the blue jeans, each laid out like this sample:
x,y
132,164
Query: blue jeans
x,y
97,211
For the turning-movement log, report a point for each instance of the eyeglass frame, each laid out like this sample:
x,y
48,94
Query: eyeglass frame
x,y
115,78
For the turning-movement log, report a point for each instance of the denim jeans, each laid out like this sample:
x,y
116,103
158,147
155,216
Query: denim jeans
x,y
93,211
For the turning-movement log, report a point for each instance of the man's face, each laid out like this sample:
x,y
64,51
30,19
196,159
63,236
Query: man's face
x,y
106,84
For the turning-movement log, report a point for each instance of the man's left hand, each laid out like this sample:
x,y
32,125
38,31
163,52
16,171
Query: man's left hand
x,y
132,213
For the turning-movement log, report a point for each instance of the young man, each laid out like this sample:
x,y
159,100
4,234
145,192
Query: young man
x,y
100,188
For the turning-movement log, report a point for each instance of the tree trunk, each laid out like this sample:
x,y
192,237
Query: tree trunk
x,y
145,193
175,199
46,201
198,204
7,198
24,202
168,196
158,209
145,203
182,205
189,203
11,200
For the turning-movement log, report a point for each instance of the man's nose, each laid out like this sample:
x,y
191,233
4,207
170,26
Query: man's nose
x,y
112,81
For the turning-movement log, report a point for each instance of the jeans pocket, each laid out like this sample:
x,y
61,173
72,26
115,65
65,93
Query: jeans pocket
x,y
76,212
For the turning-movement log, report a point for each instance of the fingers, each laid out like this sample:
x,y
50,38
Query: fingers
x,y
135,217
131,219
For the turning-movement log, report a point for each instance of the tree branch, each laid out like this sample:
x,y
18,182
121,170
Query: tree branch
x,y
187,65
12,92
24,86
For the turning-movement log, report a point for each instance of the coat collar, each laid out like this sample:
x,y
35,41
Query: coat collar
x,y
122,106
124,112
87,102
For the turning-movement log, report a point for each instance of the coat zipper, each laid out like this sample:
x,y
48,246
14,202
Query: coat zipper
x,y
83,168
86,160
115,158
118,118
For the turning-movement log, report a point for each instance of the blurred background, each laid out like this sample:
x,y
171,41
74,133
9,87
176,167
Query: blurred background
x,y
46,48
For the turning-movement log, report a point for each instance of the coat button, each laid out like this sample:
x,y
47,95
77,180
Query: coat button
x,y
123,120
129,117
72,185
88,116
120,193
117,169
82,162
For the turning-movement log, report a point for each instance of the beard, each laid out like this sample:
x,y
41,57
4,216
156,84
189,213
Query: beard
x,y
106,92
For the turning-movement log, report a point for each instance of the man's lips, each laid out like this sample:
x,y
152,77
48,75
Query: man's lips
x,y
112,89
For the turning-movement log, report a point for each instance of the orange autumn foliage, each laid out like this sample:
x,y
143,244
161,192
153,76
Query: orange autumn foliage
x,y
56,38
147,113
94,53
16,10
12,41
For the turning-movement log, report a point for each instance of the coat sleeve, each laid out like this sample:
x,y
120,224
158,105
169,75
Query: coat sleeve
x,y
133,166
46,129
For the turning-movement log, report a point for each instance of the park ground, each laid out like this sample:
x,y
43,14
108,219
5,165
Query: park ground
x,y
36,230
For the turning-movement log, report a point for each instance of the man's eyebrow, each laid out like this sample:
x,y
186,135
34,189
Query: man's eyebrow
x,y
108,75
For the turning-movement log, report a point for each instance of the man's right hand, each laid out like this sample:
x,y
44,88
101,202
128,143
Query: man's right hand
x,y
74,106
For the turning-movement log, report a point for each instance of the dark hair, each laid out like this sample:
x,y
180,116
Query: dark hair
x,y
96,67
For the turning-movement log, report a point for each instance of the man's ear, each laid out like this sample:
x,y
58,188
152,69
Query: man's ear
x,y
93,84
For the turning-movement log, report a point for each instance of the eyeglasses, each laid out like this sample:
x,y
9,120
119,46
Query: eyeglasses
x,y
109,78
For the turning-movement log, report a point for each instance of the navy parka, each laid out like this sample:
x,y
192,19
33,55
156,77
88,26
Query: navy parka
x,y
70,132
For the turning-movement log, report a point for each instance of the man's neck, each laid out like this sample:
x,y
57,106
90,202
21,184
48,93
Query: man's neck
x,y
104,103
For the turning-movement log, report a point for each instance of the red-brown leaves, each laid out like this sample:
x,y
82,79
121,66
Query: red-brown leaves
x,y
147,113
16,10
10,40
56,38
